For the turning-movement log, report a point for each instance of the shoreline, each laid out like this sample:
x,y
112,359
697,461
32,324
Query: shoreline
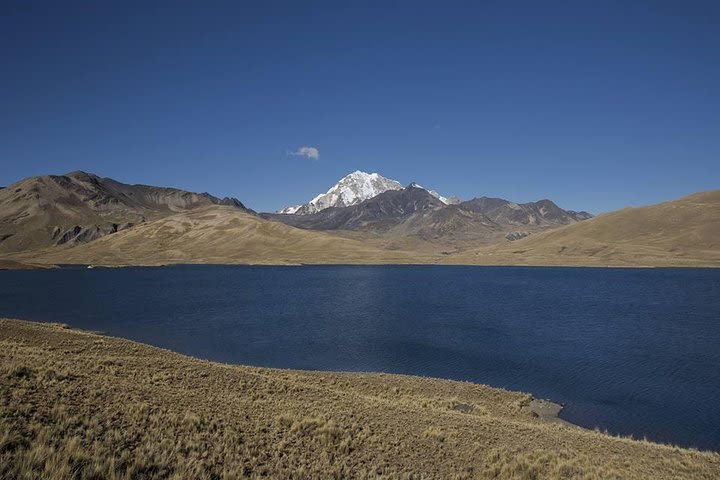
x,y
10,265
543,410
147,409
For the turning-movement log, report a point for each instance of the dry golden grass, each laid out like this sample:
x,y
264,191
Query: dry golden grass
x,y
217,234
15,265
79,405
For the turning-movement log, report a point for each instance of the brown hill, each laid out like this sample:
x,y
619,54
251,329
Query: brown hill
x,y
216,234
79,207
682,232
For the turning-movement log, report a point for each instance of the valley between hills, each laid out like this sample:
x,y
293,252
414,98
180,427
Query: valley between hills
x,y
80,218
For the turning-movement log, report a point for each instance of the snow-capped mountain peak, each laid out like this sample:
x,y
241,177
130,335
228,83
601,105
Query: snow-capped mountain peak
x,y
352,189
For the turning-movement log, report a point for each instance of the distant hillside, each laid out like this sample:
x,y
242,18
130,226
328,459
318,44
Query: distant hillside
x,y
79,207
486,221
680,232
216,234
505,212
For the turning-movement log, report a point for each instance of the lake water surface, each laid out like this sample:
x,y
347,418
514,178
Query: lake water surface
x,y
633,351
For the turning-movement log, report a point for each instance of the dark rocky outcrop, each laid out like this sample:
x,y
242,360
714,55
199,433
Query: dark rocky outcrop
x,y
512,236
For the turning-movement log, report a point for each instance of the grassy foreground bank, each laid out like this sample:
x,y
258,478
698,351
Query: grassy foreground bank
x,y
78,405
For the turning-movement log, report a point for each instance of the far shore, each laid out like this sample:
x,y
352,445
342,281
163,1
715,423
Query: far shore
x,y
7,264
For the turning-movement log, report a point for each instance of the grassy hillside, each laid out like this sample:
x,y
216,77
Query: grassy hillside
x,y
80,405
13,265
217,234
683,232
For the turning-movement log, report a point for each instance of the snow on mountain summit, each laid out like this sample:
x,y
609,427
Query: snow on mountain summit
x,y
352,189
290,209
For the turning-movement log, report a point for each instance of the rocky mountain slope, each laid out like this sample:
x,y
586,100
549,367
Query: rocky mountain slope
x,y
79,207
542,212
379,212
416,212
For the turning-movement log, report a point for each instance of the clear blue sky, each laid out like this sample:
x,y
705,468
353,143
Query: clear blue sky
x,y
594,104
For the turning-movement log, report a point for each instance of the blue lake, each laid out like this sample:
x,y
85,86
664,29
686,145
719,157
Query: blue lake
x,y
633,351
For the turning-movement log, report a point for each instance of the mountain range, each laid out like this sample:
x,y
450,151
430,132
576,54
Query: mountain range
x,y
415,212
366,218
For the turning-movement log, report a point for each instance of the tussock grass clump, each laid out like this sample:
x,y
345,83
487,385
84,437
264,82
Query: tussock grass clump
x,y
74,405
434,433
19,371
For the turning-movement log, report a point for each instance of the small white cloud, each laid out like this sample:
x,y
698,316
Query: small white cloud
x,y
309,152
